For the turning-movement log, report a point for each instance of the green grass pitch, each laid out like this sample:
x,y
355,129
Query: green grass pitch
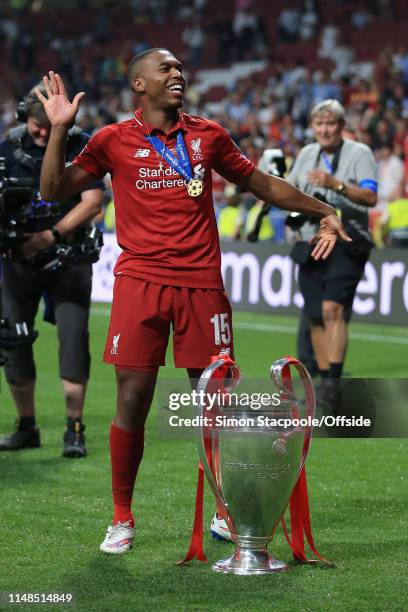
x,y
54,511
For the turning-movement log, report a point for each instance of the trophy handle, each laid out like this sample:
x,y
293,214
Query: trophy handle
x,y
204,442
210,371
280,375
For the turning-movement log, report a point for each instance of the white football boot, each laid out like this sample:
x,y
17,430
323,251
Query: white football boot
x,y
119,539
219,529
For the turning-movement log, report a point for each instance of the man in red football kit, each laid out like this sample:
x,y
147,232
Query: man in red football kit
x,y
169,273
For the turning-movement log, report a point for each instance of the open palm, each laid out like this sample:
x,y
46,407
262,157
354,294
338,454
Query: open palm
x,y
331,229
60,111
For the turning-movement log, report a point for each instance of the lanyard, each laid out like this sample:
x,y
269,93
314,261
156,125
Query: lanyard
x,y
331,167
181,163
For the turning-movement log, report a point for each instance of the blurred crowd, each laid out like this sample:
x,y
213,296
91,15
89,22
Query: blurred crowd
x,y
268,109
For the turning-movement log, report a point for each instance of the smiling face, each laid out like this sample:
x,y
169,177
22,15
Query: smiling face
x,y
159,80
39,131
327,128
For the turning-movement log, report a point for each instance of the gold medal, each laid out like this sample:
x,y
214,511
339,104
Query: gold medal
x,y
195,187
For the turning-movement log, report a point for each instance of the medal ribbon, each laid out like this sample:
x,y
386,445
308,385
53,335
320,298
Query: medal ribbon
x,y
180,164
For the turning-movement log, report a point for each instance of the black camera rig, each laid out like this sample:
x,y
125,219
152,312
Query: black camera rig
x,y
84,247
12,336
295,221
16,197
20,205
272,162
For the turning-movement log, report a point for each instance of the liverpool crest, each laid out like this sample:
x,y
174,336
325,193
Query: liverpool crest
x,y
196,148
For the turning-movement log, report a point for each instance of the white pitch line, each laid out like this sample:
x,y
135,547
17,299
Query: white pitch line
x,y
287,329
100,312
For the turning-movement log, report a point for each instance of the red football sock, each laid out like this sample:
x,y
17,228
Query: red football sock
x,y
126,449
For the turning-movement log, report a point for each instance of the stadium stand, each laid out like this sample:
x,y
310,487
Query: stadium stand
x,y
259,70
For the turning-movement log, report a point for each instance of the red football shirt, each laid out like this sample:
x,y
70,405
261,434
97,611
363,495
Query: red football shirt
x,y
167,236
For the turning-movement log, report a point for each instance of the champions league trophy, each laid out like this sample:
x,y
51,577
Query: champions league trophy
x,y
252,465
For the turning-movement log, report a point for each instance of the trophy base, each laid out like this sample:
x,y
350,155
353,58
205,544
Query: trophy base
x,y
248,562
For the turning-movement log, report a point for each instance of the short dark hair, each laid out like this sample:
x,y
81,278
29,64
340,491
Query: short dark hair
x,y
135,62
34,108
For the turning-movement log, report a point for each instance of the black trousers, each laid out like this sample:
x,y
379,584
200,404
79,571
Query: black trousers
x,y
304,345
70,292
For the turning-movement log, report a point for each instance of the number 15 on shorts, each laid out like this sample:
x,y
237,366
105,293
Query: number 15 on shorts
x,y
222,328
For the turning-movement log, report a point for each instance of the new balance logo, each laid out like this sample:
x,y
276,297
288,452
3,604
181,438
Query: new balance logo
x,y
142,153
199,172
115,342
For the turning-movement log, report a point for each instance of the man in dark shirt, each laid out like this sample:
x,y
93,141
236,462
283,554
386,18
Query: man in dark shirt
x,y
68,289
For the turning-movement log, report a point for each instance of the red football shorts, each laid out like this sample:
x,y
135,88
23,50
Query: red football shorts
x,y
142,317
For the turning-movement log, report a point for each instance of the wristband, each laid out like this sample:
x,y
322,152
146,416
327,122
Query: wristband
x,y
57,236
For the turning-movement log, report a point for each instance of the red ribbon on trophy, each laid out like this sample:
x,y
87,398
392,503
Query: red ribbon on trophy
x,y
196,549
299,501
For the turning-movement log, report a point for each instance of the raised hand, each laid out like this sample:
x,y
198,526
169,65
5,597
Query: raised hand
x,y
331,229
60,111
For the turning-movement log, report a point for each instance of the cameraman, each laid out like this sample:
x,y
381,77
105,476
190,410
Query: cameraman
x,y
68,289
343,174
